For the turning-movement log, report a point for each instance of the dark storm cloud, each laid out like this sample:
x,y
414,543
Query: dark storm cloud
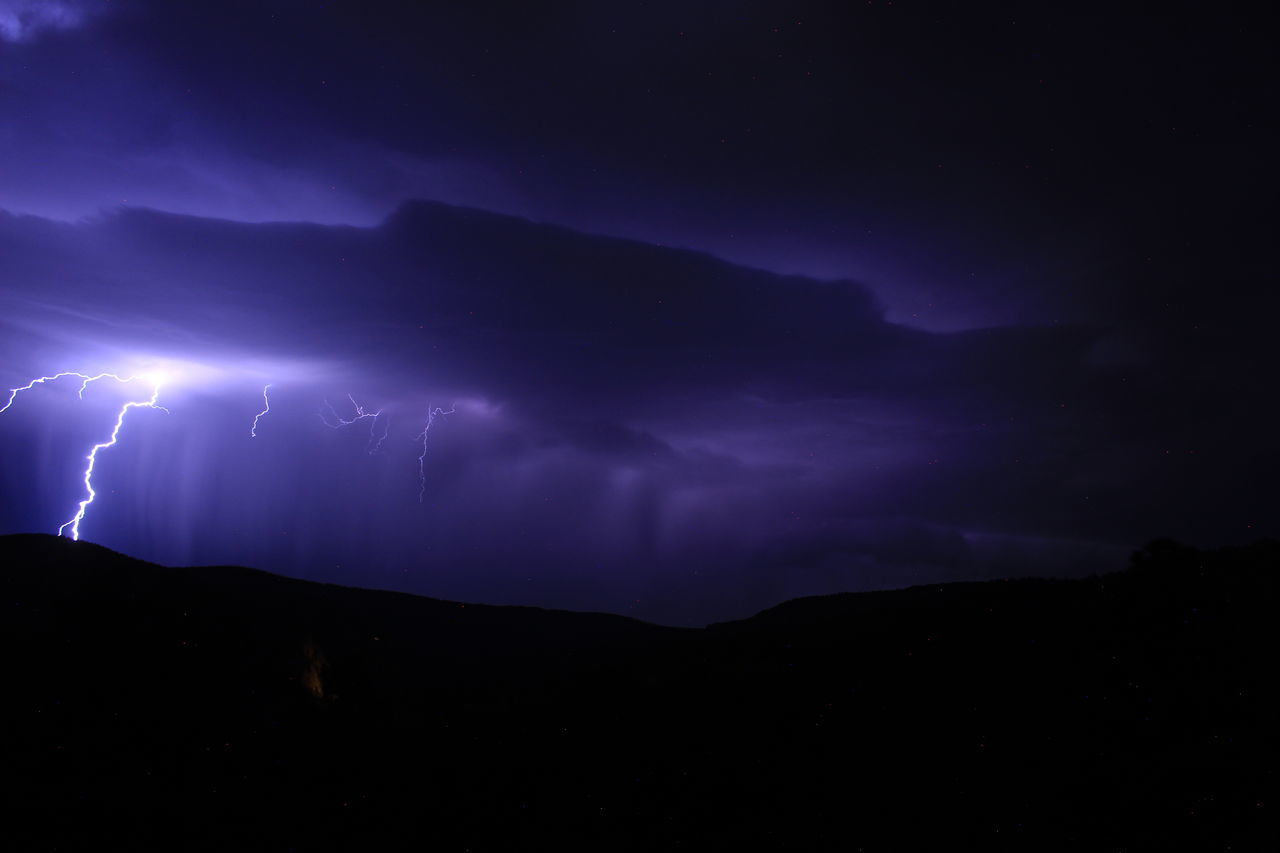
x,y
624,324
976,166
637,428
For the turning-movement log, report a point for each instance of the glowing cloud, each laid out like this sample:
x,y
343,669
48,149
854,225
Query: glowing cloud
x,y
22,20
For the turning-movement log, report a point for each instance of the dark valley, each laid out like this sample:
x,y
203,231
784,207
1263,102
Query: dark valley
x,y
224,708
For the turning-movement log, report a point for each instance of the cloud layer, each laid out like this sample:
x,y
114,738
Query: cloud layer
x,y
975,166
638,429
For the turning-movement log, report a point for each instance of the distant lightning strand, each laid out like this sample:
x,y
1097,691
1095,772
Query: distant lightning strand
x,y
339,420
375,441
13,392
92,458
432,414
266,401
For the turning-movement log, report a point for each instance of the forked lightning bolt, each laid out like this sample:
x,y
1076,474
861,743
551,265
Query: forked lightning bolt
x,y
14,392
432,414
375,440
266,401
92,458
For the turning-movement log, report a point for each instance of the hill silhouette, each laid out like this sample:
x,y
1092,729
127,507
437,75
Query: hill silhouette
x,y
225,708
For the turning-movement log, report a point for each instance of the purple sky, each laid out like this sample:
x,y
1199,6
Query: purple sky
x,y
971,293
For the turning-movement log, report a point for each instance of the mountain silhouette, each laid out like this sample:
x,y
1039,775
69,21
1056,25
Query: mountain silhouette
x,y
225,708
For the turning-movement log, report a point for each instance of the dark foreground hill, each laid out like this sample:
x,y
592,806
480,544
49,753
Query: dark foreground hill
x,y
228,709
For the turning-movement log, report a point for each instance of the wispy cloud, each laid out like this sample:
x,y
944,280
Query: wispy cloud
x,y
23,20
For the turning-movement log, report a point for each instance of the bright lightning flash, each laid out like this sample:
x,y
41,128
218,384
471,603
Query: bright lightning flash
x,y
152,378
92,458
158,377
432,414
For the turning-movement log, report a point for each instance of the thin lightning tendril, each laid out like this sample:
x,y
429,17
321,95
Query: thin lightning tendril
x,y
92,458
432,414
375,441
266,401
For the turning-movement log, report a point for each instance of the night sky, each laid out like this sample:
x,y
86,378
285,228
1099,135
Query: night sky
x,y
731,302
